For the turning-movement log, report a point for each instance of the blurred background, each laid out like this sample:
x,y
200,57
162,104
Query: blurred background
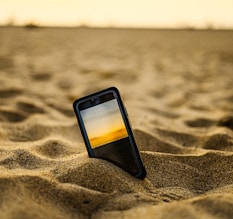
x,y
170,59
120,13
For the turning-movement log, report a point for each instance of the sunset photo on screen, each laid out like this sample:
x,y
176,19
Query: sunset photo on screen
x,y
104,123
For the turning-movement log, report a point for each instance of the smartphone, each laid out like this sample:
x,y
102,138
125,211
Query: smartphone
x,y
106,130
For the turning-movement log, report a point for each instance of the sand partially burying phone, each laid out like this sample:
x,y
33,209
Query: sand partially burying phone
x,y
177,88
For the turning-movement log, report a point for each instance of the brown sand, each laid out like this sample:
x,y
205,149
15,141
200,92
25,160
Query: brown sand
x,y
178,89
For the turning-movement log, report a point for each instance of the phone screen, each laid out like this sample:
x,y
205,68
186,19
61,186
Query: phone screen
x,y
104,123
107,133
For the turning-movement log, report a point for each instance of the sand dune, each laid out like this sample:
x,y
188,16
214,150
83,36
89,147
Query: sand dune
x,y
177,87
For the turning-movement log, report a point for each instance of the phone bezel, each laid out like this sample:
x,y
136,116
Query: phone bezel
x,y
77,103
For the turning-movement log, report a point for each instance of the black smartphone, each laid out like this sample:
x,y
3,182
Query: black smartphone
x,y
106,131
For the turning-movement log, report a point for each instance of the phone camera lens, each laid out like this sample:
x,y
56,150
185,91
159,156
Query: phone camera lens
x,y
95,100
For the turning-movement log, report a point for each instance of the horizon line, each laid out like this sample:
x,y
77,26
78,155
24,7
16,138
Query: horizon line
x,y
32,25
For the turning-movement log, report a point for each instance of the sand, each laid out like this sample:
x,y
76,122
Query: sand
x,y
177,88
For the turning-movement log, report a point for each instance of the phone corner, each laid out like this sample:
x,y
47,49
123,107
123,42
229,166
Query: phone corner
x,y
142,174
75,103
114,88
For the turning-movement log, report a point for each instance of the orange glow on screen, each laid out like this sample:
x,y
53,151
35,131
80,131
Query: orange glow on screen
x,y
104,123
106,138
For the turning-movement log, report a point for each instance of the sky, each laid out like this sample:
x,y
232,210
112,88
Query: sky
x,y
125,13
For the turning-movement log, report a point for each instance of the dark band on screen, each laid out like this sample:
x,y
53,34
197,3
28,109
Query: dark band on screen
x,y
96,100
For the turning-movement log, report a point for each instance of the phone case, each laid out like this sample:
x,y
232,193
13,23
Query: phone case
x,y
125,152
